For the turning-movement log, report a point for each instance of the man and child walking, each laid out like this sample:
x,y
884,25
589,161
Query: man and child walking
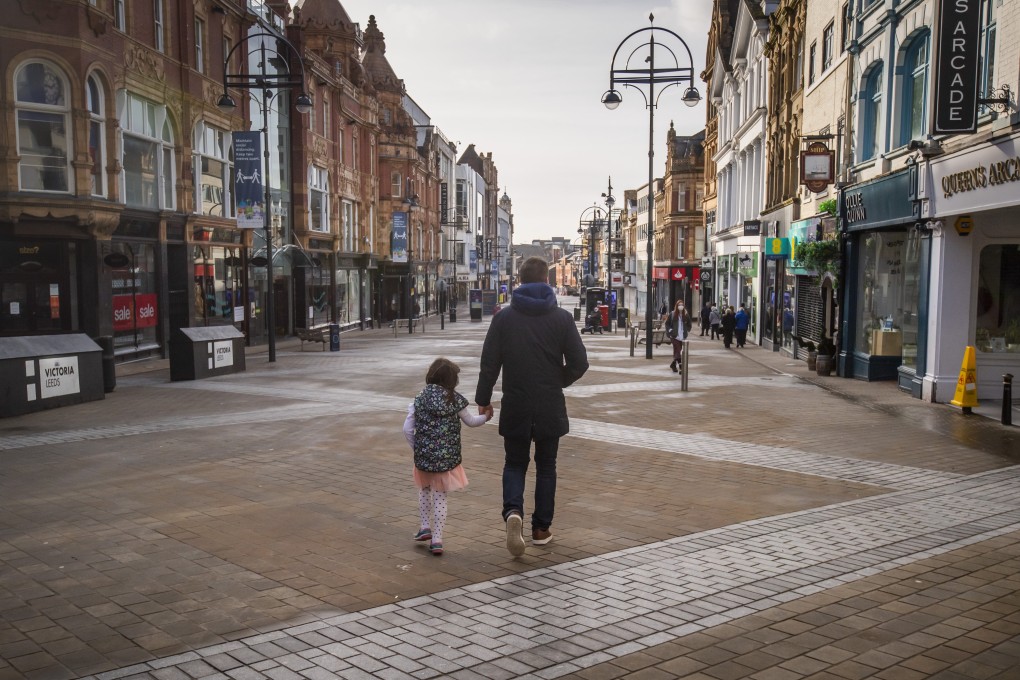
x,y
537,348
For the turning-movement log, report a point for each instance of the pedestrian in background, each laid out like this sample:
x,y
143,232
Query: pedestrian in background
x,y
539,351
728,323
432,428
741,321
714,319
678,327
706,309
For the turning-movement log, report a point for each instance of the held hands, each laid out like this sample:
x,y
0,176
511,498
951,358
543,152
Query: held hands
x,y
486,411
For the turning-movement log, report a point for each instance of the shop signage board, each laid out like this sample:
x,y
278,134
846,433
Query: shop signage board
x,y
58,376
983,177
777,249
752,227
817,163
878,203
964,225
957,67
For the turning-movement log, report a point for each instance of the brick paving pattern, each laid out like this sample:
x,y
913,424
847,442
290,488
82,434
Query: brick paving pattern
x,y
766,524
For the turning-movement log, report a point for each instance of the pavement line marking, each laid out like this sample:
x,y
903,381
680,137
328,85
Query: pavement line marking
x,y
557,620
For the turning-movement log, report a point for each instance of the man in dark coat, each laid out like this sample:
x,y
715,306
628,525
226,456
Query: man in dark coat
x,y
538,349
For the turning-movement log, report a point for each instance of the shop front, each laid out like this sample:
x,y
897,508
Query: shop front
x,y
779,297
137,293
38,293
974,197
882,334
217,286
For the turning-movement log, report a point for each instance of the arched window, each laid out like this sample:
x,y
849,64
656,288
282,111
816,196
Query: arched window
x,y
97,135
147,153
214,170
44,130
318,199
913,121
870,101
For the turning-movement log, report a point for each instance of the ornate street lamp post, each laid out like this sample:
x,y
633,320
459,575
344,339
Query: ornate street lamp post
x,y
271,84
671,74
610,201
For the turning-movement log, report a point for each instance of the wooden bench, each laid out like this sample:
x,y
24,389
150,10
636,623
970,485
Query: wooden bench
x,y
320,334
419,322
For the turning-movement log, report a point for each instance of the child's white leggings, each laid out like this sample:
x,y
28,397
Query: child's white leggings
x,y
432,505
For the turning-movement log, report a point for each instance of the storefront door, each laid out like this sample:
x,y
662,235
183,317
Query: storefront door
x,y
34,288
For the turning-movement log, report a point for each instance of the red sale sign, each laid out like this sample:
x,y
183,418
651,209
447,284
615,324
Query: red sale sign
x,y
137,311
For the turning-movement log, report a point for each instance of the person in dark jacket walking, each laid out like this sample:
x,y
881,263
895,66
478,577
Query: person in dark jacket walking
x,y
706,309
728,323
539,351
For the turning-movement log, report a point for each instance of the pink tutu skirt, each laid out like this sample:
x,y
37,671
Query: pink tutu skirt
x,y
451,480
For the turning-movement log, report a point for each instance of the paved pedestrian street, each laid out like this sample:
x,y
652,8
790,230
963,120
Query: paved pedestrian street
x,y
766,523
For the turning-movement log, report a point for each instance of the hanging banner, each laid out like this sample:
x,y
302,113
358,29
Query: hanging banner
x,y
957,67
398,237
249,196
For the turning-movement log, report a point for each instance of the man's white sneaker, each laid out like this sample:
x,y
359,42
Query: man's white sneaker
x,y
514,535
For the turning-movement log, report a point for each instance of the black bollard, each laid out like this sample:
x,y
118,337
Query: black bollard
x,y
109,363
1007,399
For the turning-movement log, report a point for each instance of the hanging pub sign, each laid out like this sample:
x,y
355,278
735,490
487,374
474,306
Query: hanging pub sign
x,y
398,237
956,67
817,165
249,201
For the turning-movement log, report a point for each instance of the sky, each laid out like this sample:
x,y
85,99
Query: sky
x,y
524,79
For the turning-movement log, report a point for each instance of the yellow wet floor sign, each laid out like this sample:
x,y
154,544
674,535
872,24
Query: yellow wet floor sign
x,y
966,384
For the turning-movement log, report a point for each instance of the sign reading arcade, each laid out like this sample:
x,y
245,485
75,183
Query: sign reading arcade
x,y
956,85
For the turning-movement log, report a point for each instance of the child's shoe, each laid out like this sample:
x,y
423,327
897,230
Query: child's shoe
x,y
423,535
436,548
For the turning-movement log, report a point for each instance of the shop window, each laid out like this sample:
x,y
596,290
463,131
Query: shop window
x,y
317,282
44,132
147,153
888,293
915,91
988,26
870,101
218,288
997,308
135,299
97,135
318,199
213,166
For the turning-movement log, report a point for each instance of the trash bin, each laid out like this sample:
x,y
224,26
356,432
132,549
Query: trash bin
x,y
334,337
577,313
623,317
453,314
205,352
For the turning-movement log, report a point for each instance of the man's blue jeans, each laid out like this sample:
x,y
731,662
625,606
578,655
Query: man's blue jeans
x,y
515,468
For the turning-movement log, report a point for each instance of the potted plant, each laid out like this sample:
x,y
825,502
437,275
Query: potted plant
x,y
811,349
1013,336
826,356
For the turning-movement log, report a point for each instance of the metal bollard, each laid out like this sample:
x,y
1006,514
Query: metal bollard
x,y
1007,399
684,365
109,363
633,339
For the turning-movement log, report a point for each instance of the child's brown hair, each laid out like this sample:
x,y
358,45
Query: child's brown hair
x,y
444,373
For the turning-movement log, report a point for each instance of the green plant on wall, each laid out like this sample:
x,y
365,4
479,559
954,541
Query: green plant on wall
x,y
820,256
828,206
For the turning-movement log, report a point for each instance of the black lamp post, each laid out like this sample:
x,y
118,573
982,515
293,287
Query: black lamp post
x,y
593,224
610,201
271,84
410,202
671,74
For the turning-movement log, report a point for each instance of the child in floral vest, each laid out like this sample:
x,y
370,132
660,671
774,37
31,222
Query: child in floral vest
x,y
432,428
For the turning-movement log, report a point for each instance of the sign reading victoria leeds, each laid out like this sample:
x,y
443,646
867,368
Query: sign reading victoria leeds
x,y
956,85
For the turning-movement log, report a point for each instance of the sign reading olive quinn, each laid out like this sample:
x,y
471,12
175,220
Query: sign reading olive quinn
x,y
956,85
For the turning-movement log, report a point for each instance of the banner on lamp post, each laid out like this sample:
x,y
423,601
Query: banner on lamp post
x,y
398,237
249,195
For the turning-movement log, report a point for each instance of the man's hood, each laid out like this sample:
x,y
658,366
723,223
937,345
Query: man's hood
x,y
534,298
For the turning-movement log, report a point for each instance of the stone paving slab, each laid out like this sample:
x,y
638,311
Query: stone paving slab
x,y
257,525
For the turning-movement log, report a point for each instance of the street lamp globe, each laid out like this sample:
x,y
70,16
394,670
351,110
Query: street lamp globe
x,y
691,96
303,103
611,99
226,103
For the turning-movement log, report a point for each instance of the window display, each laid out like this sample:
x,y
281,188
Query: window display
x,y
997,323
888,294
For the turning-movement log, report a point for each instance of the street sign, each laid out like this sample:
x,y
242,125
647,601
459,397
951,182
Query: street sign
x,y
705,275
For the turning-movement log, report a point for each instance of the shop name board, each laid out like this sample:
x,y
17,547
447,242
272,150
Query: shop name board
x,y
752,227
956,85
58,376
996,173
853,206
